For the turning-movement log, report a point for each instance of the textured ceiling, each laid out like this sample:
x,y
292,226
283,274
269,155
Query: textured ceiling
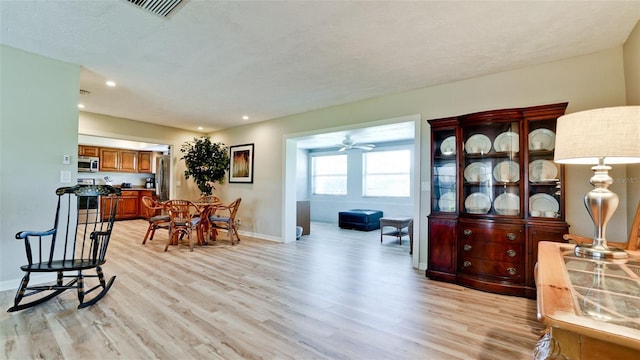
x,y
211,62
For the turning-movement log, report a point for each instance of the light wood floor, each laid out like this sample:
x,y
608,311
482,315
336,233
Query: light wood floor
x,y
335,294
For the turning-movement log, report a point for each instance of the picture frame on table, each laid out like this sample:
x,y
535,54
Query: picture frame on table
x,y
241,163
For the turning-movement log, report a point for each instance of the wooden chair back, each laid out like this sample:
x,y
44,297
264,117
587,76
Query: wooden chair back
x,y
151,203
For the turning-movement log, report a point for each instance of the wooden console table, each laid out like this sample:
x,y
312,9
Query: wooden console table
x,y
591,306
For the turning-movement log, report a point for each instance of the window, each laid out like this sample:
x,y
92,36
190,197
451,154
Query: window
x,y
387,173
329,175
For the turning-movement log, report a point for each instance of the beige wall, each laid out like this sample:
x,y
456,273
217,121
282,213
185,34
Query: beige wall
x,y
38,126
632,66
590,81
632,77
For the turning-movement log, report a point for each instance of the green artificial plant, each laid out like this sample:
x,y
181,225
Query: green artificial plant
x,y
206,161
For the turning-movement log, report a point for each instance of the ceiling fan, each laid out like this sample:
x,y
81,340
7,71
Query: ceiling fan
x,y
349,144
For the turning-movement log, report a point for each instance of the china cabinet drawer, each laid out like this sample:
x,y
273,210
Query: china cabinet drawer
x,y
492,233
494,251
502,270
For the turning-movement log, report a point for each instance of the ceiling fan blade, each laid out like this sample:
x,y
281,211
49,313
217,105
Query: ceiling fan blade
x,y
366,147
343,148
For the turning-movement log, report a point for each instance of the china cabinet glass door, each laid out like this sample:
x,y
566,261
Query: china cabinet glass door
x,y
544,174
492,170
445,171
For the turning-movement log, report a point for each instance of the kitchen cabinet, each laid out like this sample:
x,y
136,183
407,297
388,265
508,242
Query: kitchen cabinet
x,y
84,150
109,159
118,160
127,206
128,161
144,161
495,194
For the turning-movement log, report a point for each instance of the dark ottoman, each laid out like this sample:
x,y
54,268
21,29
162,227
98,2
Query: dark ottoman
x,y
359,219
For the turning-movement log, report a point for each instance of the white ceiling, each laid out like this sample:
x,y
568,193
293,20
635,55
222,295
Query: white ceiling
x,y
211,62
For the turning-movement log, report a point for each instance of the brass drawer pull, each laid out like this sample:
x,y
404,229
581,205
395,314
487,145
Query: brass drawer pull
x,y
511,253
467,264
511,271
467,247
467,232
512,236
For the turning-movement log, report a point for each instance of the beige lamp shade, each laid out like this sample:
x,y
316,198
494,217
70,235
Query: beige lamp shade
x,y
611,133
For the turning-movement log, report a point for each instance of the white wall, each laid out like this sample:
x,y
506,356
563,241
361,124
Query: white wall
x,y
38,125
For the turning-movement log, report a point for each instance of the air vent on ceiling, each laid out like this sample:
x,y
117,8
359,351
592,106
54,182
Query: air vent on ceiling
x,y
159,7
84,92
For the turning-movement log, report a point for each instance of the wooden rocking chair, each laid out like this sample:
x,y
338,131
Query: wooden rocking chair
x,y
77,242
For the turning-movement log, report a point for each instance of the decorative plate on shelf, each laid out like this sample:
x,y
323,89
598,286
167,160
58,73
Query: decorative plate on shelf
x,y
542,170
542,139
478,144
543,202
507,204
477,171
477,203
507,171
507,141
448,146
447,202
446,173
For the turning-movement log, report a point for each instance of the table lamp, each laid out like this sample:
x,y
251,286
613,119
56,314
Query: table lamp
x,y
599,137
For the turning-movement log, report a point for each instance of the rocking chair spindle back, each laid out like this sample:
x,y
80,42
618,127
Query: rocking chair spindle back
x,y
78,241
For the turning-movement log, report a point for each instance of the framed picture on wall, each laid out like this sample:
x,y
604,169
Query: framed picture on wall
x,y
241,167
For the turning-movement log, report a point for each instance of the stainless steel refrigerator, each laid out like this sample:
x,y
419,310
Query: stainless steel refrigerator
x,y
163,176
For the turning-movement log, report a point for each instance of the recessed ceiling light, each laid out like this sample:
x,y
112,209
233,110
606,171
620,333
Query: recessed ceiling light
x,y
245,117
199,127
80,106
111,83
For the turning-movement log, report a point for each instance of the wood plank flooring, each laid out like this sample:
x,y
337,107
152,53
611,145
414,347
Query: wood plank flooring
x,y
334,294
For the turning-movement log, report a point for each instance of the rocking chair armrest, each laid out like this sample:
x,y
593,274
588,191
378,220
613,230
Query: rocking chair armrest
x,y
23,234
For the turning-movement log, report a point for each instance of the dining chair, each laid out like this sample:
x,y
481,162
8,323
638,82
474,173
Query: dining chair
x,y
633,242
160,221
224,218
184,219
208,205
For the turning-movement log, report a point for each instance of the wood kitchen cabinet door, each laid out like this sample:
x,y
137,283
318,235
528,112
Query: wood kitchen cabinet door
x,y
84,150
128,161
144,161
109,159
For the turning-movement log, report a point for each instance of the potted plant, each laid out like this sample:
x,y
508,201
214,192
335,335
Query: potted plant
x,y
206,161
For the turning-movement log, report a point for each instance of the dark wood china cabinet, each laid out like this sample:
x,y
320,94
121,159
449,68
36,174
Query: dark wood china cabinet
x,y
495,193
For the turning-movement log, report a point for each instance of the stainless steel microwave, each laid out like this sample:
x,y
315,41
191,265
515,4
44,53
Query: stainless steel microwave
x,y
88,164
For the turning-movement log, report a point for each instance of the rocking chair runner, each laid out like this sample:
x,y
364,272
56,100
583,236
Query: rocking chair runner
x,y
77,242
